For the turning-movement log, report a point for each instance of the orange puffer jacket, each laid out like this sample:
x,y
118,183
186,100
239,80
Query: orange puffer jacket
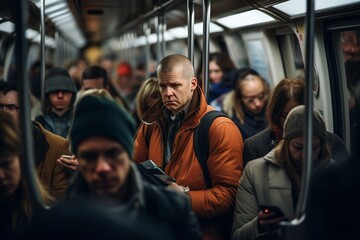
x,y
225,161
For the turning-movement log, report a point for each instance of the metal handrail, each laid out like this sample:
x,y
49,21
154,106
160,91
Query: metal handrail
x,y
190,22
205,52
27,165
309,75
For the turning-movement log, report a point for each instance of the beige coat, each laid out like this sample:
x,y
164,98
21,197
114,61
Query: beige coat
x,y
50,172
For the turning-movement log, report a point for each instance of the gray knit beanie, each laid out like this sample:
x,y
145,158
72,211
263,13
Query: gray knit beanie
x,y
58,79
295,123
100,116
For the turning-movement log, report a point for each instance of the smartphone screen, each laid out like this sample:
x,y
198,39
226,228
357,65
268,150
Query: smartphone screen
x,y
273,209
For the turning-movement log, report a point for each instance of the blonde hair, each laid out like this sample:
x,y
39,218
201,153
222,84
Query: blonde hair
x,y
232,104
148,90
10,145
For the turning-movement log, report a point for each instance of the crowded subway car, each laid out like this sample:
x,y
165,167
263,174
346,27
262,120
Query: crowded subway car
x,y
222,119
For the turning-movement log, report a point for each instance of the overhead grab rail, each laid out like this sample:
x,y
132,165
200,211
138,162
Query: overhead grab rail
x,y
158,10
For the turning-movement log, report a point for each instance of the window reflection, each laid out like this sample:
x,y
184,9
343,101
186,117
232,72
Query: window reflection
x,y
350,45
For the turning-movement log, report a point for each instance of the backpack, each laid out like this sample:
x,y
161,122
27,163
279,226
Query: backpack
x,y
202,148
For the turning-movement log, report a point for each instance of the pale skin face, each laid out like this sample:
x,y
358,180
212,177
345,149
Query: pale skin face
x,y
105,166
296,149
175,89
92,83
10,175
11,98
287,108
215,73
253,95
60,101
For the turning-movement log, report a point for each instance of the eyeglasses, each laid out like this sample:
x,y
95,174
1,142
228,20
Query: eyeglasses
x,y
9,107
250,100
91,157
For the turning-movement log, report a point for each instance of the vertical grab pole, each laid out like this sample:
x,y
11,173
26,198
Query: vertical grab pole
x,y
162,32
42,51
309,75
147,31
205,53
27,165
190,21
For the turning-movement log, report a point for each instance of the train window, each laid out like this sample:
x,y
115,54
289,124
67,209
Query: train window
x,y
291,55
350,50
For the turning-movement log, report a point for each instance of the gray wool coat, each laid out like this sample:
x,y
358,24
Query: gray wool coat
x,y
264,182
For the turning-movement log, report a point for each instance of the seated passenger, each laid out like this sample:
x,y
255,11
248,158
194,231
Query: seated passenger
x,y
287,94
108,176
281,170
247,103
60,94
48,146
16,207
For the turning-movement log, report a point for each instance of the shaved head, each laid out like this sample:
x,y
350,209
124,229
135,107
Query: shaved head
x,y
175,61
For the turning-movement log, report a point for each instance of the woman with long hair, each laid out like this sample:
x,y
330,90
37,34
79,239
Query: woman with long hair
x,y
275,179
16,207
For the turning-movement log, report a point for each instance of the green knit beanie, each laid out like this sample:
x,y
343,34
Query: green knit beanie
x,y
100,116
295,123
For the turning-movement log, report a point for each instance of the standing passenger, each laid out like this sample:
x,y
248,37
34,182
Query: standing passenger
x,y
281,170
288,94
48,146
147,95
247,103
60,94
220,64
102,139
16,207
166,137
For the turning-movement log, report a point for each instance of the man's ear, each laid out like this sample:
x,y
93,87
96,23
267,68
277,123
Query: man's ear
x,y
193,83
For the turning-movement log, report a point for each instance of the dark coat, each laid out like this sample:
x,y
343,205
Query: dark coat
x,y
150,213
260,144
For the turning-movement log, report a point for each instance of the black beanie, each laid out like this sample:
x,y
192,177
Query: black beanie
x,y
58,79
100,116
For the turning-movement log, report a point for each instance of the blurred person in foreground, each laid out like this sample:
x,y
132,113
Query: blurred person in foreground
x,y
16,207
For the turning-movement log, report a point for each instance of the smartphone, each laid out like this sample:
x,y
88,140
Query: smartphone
x,y
68,157
153,169
274,209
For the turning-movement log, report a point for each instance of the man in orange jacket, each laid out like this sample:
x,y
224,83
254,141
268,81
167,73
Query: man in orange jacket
x,y
166,137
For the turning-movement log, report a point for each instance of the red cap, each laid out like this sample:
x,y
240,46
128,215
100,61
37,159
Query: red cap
x,y
124,69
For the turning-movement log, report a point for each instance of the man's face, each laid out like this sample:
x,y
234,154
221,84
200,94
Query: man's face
x,y
104,164
10,102
92,83
176,90
60,100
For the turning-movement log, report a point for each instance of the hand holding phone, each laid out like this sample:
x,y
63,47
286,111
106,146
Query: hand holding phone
x,y
269,218
272,211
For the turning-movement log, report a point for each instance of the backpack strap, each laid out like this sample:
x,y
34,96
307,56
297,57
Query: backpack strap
x,y
202,148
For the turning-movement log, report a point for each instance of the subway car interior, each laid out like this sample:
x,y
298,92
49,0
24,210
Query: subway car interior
x,y
314,40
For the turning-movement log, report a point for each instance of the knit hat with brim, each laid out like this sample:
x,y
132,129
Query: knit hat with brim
x,y
295,123
97,116
58,79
